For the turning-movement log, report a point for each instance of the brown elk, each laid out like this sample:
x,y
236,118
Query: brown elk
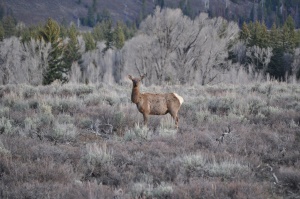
x,y
155,104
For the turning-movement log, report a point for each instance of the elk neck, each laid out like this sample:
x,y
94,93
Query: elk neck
x,y
135,95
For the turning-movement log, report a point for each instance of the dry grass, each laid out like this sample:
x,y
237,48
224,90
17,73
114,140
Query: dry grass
x,y
86,141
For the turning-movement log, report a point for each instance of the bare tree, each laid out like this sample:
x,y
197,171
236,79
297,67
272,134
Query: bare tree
x,y
96,67
239,50
167,27
260,57
296,62
137,54
22,62
168,47
173,46
212,52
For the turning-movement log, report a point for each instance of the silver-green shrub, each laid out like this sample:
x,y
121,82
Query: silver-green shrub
x,y
139,132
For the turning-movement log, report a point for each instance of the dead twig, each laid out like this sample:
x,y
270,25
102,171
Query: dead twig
x,y
226,132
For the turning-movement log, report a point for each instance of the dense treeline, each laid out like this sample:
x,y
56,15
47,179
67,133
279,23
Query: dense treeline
x,y
55,47
271,51
169,46
267,11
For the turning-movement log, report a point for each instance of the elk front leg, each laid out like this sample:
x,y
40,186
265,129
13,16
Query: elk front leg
x,y
145,119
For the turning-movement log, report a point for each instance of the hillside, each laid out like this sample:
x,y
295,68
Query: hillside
x,y
35,11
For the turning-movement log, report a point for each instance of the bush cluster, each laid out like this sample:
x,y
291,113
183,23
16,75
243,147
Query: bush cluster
x,y
79,141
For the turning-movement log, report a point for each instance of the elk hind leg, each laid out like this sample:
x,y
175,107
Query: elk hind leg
x,y
175,117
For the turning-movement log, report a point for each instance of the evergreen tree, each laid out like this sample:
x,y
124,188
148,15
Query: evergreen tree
x,y
185,6
119,37
50,32
109,36
1,32
63,29
298,39
144,12
2,11
9,26
103,16
254,29
260,13
252,14
31,32
280,64
98,33
284,43
129,30
289,35
91,17
71,52
25,35
245,33
57,69
94,6
90,43
263,37
160,3
259,35
274,36
100,30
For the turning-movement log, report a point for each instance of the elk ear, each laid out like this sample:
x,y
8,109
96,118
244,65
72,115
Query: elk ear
x,y
130,77
142,77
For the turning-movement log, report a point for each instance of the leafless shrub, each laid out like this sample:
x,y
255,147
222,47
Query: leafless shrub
x,y
227,132
102,129
289,178
62,132
139,132
144,190
53,148
6,126
221,105
200,188
34,170
66,105
88,189
188,111
98,159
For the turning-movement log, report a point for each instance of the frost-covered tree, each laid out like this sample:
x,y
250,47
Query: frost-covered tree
x,y
166,28
172,47
211,48
296,63
139,63
23,62
97,67
259,58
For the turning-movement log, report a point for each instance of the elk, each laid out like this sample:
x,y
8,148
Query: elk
x,y
154,103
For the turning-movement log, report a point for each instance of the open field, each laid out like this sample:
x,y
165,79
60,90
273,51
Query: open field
x,y
87,141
